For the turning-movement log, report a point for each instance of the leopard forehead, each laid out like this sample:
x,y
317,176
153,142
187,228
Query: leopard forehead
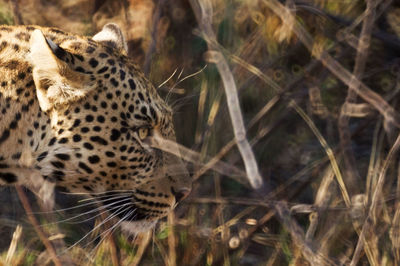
x,y
78,111
121,90
104,121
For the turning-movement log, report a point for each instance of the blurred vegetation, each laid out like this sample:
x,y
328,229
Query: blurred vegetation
x,y
301,215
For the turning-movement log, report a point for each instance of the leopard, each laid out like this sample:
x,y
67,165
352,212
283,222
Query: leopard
x,y
78,115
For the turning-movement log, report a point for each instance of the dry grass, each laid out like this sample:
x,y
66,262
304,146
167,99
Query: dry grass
x,y
308,88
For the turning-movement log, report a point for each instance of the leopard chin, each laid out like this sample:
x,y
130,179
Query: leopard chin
x,y
135,227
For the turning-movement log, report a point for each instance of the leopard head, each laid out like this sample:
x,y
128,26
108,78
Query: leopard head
x,y
104,117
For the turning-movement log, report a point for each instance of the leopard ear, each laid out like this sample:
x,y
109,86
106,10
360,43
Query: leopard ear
x,y
56,82
112,35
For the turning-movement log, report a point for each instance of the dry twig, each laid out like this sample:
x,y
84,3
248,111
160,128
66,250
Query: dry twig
x,y
13,245
203,12
224,150
324,195
171,240
373,210
352,175
49,247
330,154
194,157
110,237
309,253
144,240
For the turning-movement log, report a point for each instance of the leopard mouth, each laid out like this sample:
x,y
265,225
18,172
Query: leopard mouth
x,y
128,208
121,206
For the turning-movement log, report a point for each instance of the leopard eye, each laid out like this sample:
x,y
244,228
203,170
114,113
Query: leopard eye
x,y
143,133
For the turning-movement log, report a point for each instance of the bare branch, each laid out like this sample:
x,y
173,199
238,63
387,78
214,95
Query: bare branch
x,y
36,226
13,245
353,177
203,12
192,156
373,210
309,253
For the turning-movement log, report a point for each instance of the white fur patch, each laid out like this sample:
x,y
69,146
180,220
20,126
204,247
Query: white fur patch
x,y
133,228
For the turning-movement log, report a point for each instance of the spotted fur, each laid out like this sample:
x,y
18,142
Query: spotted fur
x,y
71,108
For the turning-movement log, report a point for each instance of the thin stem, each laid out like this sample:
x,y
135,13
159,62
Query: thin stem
x,y
49,247
203,13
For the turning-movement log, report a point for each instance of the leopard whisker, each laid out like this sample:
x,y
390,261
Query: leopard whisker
x,y
170,77
109,231
79,215
172,87
182,102
65,209
80,206
100,213
99,209
180,81
95,228
188,76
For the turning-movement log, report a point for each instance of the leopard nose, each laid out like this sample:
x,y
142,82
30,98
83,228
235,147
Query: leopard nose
x,y
180,194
